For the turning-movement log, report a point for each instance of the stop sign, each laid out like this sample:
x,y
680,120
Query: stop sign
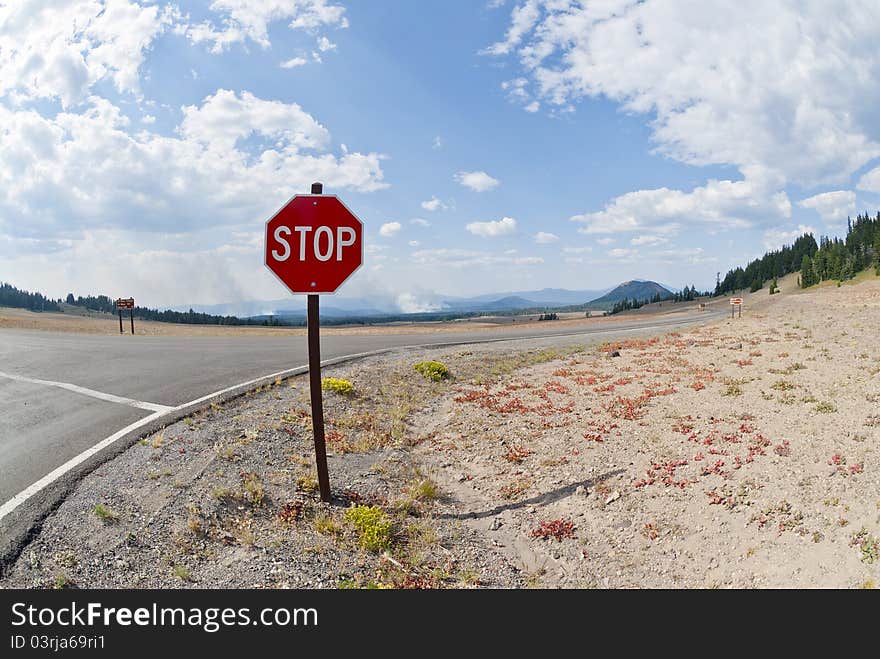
x,y
314,243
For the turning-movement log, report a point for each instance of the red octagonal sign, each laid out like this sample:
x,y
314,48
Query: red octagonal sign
x,y
314,243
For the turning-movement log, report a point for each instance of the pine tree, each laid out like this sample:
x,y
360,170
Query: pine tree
x,y
806,272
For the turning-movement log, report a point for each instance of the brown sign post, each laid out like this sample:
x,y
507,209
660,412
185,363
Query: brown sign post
x,y
125,303
736,303
313,245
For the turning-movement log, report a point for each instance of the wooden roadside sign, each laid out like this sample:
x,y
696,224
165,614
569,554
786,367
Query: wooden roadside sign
x,y
125,303
736,303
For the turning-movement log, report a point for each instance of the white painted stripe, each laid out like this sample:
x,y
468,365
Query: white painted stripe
x,y
55,474
152,407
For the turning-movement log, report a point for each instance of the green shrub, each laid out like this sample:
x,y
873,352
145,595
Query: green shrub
x,y
338,385
424,490
106,513
373,526
432,370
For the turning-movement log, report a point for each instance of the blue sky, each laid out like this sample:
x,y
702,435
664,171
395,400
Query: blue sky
x,y
487,146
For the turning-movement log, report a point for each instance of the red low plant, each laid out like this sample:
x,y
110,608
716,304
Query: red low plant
x,y
557,528
783,449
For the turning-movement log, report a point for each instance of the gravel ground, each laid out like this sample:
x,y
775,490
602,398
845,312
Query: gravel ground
x,y
741,454
738,455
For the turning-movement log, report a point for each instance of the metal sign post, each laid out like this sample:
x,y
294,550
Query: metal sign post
x,y
313,245
317,396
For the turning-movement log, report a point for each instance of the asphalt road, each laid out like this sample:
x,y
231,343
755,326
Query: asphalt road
x,y
42,425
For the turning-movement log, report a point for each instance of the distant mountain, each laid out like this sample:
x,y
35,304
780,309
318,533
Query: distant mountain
x,y
547,297
345,307
506,304
630,290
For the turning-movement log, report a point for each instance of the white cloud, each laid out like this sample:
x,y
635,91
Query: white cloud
x,y
414,243
225,118
433,204
870,181
324,44
389,229
776,237
63,50
833,207
493,229
246,20
70,172
606,241
718,204
293,63
477,181
148,119
523,19
576,250
688,255
648,239
542,237
420,222
622,253
464,258
437,143
786,88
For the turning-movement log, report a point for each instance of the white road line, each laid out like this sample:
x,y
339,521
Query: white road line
x,y
161,410
152,407
55,474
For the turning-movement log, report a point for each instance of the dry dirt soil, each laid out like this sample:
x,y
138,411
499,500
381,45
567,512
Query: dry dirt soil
x,y
741,454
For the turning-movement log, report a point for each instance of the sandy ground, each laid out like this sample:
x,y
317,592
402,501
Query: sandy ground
x,y
741,454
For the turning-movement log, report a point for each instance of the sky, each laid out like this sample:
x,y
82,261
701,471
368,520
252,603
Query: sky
x,y
487,145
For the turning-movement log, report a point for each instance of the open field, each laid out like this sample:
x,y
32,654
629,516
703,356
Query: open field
x,y
106,324
739,454
98,323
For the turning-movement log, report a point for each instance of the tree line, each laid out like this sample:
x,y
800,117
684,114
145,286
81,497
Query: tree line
x,y
842,259
829,259
687,294
10,296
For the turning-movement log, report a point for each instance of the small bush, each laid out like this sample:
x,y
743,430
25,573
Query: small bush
x,y
435,371
326,525
337,385
182,573
826,408
106,513
424,490
373,526
307,483
253,486
732,390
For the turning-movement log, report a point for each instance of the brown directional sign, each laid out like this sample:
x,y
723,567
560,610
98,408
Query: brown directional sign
x,y
125,303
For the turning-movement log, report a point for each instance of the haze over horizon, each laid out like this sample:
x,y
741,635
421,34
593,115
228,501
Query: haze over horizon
x,y
487,146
